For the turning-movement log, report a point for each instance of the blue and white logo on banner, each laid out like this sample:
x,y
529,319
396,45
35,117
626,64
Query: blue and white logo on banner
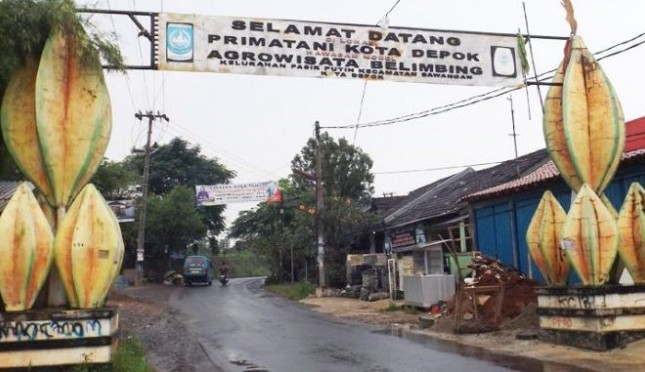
x,y
179,42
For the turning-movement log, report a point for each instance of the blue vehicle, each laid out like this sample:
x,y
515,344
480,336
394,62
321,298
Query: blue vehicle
x,y
198,269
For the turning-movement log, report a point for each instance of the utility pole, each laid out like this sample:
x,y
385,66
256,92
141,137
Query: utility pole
x,y
514,135
144,190
320,205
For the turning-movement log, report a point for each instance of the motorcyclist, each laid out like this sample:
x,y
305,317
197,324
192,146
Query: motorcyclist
x,y
223,273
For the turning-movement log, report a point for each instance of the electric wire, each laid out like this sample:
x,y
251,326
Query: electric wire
x,y
439,168
127,83
392,8
360,113
526,21
480,97
360,108
218,151
134,5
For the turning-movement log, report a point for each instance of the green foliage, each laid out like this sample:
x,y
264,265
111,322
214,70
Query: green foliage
x,y
26,25
129,357
296,291
172,222
391,307
275,231
177,163
243,263
112,179
346,169
213,245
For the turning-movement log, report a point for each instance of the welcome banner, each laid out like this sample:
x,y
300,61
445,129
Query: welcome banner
x,y
329,50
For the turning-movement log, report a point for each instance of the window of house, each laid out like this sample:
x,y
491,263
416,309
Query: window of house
x,y
457,231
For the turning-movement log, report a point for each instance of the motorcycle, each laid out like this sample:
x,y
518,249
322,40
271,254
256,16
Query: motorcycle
x,y
223,279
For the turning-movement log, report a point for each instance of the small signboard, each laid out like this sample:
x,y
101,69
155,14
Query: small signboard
x,y
403,241
123,209
332,50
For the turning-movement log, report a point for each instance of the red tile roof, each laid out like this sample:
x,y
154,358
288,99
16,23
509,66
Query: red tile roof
x,y
547,173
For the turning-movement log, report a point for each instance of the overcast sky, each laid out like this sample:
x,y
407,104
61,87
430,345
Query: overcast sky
x,y
256,124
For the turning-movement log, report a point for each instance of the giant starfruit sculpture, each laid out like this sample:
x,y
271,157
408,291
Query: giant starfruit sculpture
x,y
543,240
56,122
89,249
26,248
73,115
18,119
631,229
584,131
56,118
584,127
590,238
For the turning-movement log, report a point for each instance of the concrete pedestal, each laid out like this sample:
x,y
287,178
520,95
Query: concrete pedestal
x,y
57,337
596,318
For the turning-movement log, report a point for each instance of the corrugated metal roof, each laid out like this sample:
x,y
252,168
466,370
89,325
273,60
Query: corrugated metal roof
x,y
543,174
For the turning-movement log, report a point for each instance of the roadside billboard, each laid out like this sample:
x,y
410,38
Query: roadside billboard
x,y
313,49
123,209
238,193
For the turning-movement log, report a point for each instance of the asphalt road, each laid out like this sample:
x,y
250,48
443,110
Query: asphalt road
x,y
243,328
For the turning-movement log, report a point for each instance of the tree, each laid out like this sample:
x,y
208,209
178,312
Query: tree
x,y
348,186
27,24
172,222
179,164
114,181
276,230
346,169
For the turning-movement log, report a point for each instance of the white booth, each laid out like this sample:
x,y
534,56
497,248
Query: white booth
x,y
428,283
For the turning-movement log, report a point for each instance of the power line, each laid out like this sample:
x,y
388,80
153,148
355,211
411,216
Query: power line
x,y
225,155
392,8
439,168
480,97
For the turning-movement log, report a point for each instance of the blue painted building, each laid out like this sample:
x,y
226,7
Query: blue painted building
x,y
501,214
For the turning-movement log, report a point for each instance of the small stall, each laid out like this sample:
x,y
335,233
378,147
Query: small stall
x,y
429,282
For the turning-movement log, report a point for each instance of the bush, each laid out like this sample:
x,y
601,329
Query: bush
x,y
296,291
131,356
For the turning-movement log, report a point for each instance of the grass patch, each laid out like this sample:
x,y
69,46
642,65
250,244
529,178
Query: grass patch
x,y
296,291
392,306
129,357
411,310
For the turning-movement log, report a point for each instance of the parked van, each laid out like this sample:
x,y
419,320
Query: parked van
x,y
198,269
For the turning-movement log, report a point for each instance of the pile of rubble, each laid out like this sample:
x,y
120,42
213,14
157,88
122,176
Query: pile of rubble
x,y
493,294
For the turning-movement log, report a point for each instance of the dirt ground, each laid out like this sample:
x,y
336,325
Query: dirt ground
x,y
144,313
503,341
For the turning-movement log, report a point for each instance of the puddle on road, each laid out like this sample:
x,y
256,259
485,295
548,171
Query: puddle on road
x,y
512,362
249,366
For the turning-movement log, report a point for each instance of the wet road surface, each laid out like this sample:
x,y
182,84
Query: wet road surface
x,y
243,328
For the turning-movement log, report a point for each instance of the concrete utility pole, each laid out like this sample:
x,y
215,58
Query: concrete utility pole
x,y
144,190
320,205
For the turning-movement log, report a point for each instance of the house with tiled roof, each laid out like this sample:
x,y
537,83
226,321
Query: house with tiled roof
x,y
437,212
501,213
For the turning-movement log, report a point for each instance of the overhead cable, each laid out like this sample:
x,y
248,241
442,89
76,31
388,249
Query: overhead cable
x,y
547,75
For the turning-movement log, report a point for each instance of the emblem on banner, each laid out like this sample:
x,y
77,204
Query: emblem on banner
x,y
503,61
179,42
